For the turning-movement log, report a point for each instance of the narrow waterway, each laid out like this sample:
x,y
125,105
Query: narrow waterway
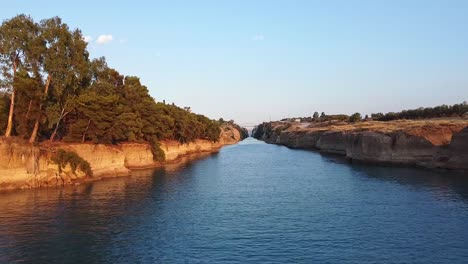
x,y
249,203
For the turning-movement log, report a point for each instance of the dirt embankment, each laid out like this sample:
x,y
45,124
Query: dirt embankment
x,y
426,143
26,166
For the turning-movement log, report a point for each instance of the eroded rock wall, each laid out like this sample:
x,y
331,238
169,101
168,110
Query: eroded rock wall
x,y
430,150
24,166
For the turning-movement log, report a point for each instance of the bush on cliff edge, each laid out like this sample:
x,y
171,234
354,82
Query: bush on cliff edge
x,y
63,157
158,153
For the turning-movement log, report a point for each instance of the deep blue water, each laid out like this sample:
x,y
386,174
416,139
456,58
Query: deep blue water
x,y
249,203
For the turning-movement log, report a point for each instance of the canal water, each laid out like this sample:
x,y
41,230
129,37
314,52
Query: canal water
x,y
249,203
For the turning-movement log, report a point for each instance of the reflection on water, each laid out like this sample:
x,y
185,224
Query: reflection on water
x,y
444,183
251,202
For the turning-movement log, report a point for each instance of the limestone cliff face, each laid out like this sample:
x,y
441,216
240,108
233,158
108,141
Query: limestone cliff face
x,y
394,148
427,146
26,166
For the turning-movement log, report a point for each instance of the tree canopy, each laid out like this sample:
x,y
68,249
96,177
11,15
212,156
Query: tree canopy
x,y
356,117
51,89
456,110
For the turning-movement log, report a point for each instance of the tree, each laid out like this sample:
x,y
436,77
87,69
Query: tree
x,y
377,116
356,117
323,115
16,44
316,115
53,91
27,98
66,66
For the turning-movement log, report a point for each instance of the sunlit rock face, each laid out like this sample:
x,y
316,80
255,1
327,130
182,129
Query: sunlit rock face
x,y
429,144
25,166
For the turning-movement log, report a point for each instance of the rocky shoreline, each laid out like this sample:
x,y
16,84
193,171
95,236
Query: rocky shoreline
x,y
25,166
428,144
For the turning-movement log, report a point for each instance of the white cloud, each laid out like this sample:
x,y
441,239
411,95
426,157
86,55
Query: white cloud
x,y
88,39
258,37
103,39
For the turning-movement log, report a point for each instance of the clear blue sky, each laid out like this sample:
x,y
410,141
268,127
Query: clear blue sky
x,y
252,60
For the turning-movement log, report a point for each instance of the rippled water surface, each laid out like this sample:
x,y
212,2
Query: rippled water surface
x,y
250,203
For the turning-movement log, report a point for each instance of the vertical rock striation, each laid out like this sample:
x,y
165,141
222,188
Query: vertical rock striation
x,y
431,145
26,166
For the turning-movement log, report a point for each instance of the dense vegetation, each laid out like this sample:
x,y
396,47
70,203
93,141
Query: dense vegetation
x,y
356,117
50,89
456,110
316,118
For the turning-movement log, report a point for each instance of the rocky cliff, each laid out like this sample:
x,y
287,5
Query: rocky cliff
x,y
429,144
24,166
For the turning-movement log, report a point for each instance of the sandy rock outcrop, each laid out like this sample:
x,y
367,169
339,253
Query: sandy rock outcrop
x,y
430,145
25,166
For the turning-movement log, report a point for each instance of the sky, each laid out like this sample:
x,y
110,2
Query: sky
x,y
255,61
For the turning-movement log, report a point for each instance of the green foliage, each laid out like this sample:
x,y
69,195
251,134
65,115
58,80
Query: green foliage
x,y
19,52
315,116
18,39
64,158
356,117
340,117
456,110
158,153
68,97
377,116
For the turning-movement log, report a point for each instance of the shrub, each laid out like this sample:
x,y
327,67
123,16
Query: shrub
x,y
356,117
158,153
63,157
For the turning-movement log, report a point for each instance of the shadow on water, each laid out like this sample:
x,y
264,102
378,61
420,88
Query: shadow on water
x,y
67,219
260,198
434,181
427,179
455,181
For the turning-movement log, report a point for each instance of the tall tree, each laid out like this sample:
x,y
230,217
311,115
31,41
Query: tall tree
x,y
27,100
66,67
45,71
17,38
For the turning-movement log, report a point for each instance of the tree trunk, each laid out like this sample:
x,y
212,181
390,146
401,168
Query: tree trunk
x,y
12,104
29,110
62,115
36,124
52,137
86,131
34,132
